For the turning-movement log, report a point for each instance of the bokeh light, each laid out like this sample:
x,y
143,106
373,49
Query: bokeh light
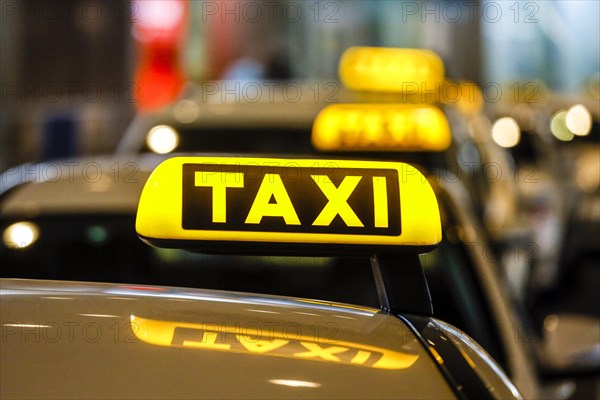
x,y
579,120
162,139
558,126
20,235
506,132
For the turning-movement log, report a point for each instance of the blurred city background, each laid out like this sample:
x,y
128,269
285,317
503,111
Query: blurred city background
x,y
70,66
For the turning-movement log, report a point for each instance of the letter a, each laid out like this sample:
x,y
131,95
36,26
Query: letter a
x,y
272,186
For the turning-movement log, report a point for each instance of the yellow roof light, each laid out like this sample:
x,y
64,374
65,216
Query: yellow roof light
x,y
162,139
384,69
381,127
272,204
465,95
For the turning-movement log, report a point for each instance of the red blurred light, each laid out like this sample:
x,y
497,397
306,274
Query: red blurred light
x,y
159,29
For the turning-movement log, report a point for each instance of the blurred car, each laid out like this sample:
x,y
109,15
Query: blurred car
x,y
407,110
557,176
235,117
574,123
109,241
277,118
543,195
292,346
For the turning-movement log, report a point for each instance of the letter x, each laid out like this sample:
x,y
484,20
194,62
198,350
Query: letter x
x,y
338,200
314,350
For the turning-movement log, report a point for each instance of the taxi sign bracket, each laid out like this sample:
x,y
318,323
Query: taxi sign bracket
x,y
401,289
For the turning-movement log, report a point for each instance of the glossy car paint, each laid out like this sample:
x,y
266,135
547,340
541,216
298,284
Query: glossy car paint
x,y
75,340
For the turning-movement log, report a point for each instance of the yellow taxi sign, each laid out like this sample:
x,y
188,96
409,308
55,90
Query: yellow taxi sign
x,y
381,127
287,204
396,70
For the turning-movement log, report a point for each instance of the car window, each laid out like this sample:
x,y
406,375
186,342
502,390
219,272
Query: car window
x,y
457,296
107,249
265,140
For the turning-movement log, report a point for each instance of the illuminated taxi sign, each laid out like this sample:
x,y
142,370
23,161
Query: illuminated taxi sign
x,y
381,127
217,337
390,69
297,202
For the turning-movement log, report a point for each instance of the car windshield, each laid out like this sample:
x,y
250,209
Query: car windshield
x,y
106,249
276,140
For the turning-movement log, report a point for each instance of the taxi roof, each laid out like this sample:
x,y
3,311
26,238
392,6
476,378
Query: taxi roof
x,y
75,340
255,105
109,184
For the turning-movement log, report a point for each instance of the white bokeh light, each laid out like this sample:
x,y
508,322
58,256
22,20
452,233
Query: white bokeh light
x,y
162,139
579,120
20,235
506,132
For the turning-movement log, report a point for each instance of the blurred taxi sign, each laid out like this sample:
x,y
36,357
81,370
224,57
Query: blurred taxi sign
x,y
381,127
383,69
287,204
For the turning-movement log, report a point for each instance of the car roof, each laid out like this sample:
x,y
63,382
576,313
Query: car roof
x,y
74,340
254,104
102,184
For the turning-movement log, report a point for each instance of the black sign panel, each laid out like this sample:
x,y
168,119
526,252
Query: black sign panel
x,y
266,198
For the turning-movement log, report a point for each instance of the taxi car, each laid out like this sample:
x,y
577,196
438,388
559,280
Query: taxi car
x,y
101,238
541,188
75,229
74,340
414,113
233,116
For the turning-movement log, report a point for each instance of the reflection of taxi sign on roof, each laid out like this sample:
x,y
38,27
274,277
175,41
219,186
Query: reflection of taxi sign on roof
x,y
230,338
390,69
381,127
287,204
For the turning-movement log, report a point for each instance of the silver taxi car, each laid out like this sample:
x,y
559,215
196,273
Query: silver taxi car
x,y
77,340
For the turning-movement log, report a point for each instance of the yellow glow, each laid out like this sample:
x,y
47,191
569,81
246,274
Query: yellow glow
x,y
467,96
162,139
294,383
506,132
20,235
274,343
558,126
160,210
588,176
381,127
390,69
579,120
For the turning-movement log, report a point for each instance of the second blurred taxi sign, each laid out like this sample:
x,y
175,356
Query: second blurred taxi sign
x,y
203,202
395,70
381,127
